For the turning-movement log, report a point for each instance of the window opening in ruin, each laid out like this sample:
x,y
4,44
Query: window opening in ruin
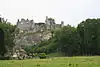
x,y
21,22
27,22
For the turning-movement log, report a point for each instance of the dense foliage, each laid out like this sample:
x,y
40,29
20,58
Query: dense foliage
x,y
8,32
80,40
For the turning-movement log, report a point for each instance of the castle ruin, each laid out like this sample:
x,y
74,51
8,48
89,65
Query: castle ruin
x,y
31,33
30,25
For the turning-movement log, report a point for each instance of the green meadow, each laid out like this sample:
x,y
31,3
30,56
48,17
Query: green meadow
x,y
88,61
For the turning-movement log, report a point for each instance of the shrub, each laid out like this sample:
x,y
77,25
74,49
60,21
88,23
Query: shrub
x,y
42,55
35,54
4,58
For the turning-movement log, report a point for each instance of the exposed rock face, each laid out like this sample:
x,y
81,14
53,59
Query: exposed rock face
x,y
23,40
32,38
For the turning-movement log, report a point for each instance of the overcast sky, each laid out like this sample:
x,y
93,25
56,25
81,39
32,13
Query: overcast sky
x,y
70,11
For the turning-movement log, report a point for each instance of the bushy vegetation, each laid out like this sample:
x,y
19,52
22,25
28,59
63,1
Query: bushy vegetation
x,y
42,56
72,41
8,37
80,40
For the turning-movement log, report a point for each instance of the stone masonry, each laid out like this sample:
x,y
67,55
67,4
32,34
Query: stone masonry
x,y
30,25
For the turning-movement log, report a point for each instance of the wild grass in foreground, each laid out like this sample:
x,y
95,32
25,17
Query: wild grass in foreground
x,y
93,61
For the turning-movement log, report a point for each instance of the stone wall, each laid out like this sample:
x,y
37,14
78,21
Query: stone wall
x,y
29,25
25,24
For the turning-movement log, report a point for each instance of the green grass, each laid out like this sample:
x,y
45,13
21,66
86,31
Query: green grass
x,y
93,61
56,54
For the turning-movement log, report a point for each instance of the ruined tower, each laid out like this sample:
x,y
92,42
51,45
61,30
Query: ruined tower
x,y
62,23
25,25
50,23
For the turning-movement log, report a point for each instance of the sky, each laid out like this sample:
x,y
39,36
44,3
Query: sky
x,y
70,11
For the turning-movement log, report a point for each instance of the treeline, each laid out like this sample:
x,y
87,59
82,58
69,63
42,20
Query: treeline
x,y
6,41
81,40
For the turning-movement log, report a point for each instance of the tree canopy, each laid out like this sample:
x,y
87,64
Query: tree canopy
x,y
80,40
6,36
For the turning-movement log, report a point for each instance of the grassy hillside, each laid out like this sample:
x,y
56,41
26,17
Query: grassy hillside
x,y
93,61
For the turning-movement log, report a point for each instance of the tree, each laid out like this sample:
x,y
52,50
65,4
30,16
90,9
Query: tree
x,y
89,33
68,40
2,46
8,30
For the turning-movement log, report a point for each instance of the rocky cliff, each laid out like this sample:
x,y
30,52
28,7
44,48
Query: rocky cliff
x,y
27,38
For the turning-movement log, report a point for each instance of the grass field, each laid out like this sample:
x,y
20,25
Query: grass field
x,y
93,61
